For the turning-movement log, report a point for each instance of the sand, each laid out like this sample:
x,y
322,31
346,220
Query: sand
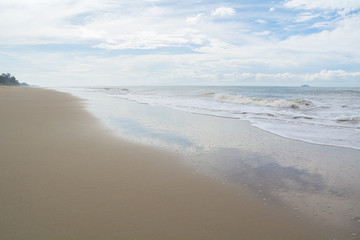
x,y
65,176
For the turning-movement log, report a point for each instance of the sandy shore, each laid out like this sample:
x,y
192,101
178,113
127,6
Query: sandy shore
x,y
64,176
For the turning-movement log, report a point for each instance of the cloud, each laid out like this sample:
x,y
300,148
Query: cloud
x,y
338,42
195,19
263,33
105,24
37,21
146,40
223,12
221,67
348,5
164,42
261,21
332,75
303,17
319,78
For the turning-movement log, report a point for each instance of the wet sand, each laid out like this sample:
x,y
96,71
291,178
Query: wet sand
x,y
64,176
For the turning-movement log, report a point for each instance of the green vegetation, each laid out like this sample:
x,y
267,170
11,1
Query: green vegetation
x,y
7,80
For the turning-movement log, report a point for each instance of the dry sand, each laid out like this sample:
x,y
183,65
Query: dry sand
x,y
64,176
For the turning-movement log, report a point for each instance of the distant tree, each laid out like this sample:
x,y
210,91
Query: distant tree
x,y
8,80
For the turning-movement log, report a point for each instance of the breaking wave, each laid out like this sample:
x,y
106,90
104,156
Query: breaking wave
x,y
350,119
301,104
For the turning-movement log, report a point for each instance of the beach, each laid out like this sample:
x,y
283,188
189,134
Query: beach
x,y
64,175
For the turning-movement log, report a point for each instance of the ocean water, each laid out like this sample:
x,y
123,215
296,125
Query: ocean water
x,y
329,116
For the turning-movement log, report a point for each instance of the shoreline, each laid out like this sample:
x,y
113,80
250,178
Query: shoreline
x,y
319,182
63,175
286,121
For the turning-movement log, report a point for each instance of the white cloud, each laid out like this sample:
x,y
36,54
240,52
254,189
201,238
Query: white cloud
x,y
195,19
104,23
347,5
332,75
320,25
236,50
262,21
38,21
146,40
289,78
223,12
303,17
339,42
225,65
263,33
272,9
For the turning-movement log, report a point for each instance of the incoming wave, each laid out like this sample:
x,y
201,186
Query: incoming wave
x,y
301,104
355,119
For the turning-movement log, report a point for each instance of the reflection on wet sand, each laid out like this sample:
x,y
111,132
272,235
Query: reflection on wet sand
x,y
309,193
266,170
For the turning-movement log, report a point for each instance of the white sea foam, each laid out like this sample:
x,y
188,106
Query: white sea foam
x,y
279,103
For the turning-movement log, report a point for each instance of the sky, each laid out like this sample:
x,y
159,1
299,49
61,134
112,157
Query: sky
x,y
189,42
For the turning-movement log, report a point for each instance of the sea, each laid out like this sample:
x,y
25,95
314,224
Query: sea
x,y
327,116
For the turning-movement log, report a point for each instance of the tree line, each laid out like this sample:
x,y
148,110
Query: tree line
x,y
6,79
